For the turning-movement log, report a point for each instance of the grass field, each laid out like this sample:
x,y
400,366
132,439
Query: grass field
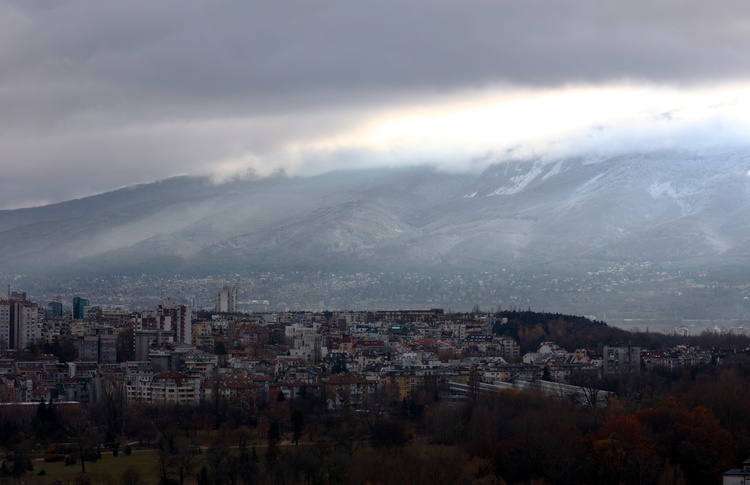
x,y
106,470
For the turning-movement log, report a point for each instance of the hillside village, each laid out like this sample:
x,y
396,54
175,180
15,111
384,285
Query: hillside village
x,y
171,355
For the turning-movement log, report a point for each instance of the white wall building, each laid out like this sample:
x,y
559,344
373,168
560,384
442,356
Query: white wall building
x,y
226,300
20,324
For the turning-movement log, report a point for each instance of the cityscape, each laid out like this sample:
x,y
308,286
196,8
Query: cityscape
x,y
403,242
627,295
238,366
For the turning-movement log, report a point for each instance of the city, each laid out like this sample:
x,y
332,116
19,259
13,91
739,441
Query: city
x,y
392,366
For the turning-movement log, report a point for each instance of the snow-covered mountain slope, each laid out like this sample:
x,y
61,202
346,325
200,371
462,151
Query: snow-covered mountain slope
x,y
682,207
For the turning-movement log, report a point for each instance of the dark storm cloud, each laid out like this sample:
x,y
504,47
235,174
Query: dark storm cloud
x,y
137,90
221,49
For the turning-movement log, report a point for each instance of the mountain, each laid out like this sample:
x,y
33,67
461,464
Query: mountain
x,y
684,208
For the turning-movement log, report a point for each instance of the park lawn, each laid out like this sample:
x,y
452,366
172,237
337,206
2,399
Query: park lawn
x,y
106,470
109,469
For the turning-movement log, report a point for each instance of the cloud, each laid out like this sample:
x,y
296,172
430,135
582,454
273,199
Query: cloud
x,y
97,95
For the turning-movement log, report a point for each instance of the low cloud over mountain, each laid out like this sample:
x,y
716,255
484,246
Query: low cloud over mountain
x,y
685,208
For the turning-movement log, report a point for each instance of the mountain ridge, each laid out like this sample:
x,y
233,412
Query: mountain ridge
x,y
670,206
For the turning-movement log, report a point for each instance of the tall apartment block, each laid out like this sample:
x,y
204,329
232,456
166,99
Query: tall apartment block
x,y
618,360
171,321
226,300
20,324
98,344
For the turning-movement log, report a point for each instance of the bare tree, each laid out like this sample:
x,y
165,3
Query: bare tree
x,y
114,404
185,460
85,438
590,385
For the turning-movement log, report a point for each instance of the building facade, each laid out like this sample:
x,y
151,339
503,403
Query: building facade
x,y
618,360
226,300
79,307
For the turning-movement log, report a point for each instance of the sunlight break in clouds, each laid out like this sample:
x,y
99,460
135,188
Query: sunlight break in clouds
x,y
466,133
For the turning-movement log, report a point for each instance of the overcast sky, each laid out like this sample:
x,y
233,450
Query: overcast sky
x,y
97,95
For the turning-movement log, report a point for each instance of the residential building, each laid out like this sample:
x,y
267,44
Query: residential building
x,y
171,321
175,388
737,476
98,344
226,300
618,360
20,324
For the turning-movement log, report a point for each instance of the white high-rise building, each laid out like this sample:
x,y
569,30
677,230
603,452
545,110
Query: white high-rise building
x,y
5,325
226,300
20,324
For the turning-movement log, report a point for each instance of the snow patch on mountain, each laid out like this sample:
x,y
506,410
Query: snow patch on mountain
x,y
519,182
556,169
656,190
589,183
594,161
683,198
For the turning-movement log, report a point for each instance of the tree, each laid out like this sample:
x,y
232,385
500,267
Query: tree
x,y
81,434
546,376
216,399
221,350
46,423
474,379
131,476
113,404
203,476
245,465
590,384
388,433
217,459
298,425
639,462
63,348
185,460
692,439
274,433
15,465
164,458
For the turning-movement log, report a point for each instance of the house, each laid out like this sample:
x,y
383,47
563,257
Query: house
x,y
738,476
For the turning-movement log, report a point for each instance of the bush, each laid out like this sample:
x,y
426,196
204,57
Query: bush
x,y
51,458
131,476
127,450
42,473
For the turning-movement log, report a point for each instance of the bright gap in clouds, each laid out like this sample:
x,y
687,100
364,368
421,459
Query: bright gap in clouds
x,y
467,132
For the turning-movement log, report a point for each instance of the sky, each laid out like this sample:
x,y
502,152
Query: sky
x,y
96,95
